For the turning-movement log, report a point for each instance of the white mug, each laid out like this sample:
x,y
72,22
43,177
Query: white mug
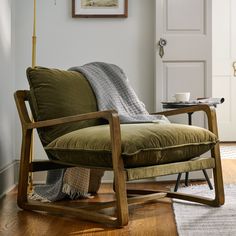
x,y
182,97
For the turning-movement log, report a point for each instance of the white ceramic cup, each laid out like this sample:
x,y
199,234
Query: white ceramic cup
x,y
182,97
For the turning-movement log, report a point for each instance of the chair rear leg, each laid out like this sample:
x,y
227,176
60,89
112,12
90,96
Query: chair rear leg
x,y
218,182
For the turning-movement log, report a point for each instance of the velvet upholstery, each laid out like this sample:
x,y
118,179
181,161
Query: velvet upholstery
x,y
142,144
88,142
58,93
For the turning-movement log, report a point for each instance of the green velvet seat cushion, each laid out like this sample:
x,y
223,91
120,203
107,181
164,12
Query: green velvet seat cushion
x,y
142,144
58,93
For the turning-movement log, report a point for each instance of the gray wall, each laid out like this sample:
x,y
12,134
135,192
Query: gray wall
x,y
63,41
7,86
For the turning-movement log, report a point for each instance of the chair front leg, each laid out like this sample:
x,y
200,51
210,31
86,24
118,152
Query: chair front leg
x,y
215,153
119,172
218,178
24,168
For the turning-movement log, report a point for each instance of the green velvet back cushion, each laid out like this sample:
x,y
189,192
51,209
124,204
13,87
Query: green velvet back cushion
x,y
58,93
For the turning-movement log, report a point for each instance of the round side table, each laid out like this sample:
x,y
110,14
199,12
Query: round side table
x,y
174,105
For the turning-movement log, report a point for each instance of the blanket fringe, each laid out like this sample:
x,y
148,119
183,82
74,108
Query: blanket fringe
x,y
74,193
35,196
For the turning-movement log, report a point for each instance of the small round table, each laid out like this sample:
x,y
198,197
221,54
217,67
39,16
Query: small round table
x,y
174,105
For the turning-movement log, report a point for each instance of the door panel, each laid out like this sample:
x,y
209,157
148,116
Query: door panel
x,y
186,64
184,76
224,54
177,18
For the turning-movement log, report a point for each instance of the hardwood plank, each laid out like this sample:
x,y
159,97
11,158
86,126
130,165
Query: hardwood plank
x,y
149,219
229,170
13,221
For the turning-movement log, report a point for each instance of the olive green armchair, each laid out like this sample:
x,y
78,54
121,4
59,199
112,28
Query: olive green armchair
x,y
74,133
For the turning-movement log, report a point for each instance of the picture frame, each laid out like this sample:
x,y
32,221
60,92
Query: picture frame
x,y
99,8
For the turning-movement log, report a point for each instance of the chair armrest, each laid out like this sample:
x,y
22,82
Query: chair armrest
x,y
107,115
21,96
110,115
209,110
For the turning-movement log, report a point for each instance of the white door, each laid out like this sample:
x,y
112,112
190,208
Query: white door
x,y
186,65
224,54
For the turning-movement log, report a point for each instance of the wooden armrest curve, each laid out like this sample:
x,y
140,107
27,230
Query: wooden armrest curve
x,y
107,115
209,110
23,95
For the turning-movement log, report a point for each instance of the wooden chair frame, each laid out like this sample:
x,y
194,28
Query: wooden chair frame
x,y
120,173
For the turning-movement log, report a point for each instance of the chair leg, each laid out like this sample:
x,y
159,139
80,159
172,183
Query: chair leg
x,y
24,169
121,197
186,179
177,182
218,181
119,173
218,178
207,179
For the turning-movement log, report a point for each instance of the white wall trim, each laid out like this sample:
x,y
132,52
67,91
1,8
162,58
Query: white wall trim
x,y
8,177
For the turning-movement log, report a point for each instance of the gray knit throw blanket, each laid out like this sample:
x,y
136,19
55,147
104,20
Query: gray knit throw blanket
x,y
113,92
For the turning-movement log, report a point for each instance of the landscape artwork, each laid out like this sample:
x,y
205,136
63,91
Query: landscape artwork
x,y
100,8
99,3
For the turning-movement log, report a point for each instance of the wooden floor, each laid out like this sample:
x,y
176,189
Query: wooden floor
x,y
149,219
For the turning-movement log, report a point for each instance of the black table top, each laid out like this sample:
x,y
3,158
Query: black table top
x,y
184,104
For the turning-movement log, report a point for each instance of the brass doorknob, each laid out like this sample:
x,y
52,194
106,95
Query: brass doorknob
x,y
234,66
162,43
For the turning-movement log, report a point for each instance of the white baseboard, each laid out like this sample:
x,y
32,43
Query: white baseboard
x,y
8,177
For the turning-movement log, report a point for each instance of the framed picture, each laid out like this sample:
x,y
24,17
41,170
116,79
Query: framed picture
x,y
99,8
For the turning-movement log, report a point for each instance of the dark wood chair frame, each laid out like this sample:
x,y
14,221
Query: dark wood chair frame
x,y
89,212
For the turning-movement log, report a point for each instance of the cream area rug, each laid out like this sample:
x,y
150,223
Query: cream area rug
x,y
228,151
193,219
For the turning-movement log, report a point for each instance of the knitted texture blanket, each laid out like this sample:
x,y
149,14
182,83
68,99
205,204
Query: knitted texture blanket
x,y
113,92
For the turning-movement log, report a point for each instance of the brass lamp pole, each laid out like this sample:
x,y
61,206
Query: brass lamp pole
x,y
33,65
34,38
